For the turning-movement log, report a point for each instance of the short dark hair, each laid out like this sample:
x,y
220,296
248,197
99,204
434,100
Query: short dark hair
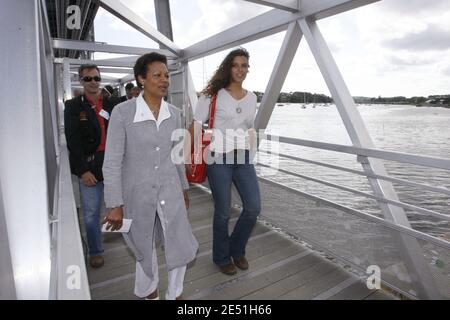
x,y
129,86
87,66
140,68
110,89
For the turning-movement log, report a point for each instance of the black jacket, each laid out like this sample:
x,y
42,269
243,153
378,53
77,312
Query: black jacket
x,y
83,135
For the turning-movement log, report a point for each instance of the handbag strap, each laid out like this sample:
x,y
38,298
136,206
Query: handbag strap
x,y
212,111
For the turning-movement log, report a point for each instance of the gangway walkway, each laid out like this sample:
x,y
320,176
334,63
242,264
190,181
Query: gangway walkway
x,y
280,267
41,253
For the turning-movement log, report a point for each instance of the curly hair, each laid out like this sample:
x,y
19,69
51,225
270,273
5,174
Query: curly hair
x,y
222,76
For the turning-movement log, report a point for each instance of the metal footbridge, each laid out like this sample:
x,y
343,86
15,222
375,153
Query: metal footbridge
x,y
329,251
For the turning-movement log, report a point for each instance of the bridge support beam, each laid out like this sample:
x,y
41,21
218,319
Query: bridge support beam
x,y
278,76
409,248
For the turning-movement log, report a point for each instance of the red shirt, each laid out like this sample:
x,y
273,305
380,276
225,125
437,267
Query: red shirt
x,y
98,106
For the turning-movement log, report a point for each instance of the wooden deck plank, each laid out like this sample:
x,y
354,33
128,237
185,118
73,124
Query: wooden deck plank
x,y
257,248
287,284
202,266
201,288
115,255
193,188
279,267
97,276
264,279
356,291
197,198
316,286
379,295
105,273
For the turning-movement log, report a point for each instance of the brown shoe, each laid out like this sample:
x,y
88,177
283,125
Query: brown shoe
x,y
228,269
96,261
241,263
153,296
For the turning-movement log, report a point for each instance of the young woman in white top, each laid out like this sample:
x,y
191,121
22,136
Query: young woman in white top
x,y
230,158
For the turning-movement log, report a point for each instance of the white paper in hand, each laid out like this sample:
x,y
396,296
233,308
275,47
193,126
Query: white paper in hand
x,y
126,223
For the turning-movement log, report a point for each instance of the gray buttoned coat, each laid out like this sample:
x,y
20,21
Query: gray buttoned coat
x,y
140,175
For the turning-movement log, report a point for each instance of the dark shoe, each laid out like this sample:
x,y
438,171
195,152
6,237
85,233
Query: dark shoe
x,y
241,263
96,261
228,269
153,296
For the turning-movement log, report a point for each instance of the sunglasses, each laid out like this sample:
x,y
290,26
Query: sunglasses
x,y
89,79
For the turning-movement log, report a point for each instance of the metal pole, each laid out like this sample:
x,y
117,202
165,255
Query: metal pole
x,y
66,80
279,73
189,95
163,19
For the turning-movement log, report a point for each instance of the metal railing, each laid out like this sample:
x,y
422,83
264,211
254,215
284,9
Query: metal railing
x,y
70,275
376,153
361,154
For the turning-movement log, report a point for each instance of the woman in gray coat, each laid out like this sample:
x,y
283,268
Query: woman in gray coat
x,y
143,183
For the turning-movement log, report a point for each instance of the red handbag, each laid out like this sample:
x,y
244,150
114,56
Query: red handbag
x,y
198,164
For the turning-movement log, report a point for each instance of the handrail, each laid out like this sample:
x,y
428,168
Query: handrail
x,y
330,252
426,161
397,227
442,190
53,292
386,155
364,194
71,268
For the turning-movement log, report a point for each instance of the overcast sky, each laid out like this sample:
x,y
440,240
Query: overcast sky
x,y
388,48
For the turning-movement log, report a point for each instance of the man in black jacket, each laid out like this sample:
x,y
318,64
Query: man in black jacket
x,y
86,123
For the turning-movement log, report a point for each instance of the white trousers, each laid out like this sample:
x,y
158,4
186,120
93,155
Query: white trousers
x,y
144,285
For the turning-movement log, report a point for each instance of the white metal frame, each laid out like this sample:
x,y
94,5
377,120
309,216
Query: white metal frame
x,y
410,249
125,14
311,11
427,187
279,74
267,24
287,5
23,170
104,47
298,17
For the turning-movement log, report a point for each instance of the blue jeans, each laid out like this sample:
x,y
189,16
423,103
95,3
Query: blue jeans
x,y
91,202
220,177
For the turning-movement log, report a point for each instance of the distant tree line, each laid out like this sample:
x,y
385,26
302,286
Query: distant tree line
x,y
298,97
398,100
418,101
308,97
